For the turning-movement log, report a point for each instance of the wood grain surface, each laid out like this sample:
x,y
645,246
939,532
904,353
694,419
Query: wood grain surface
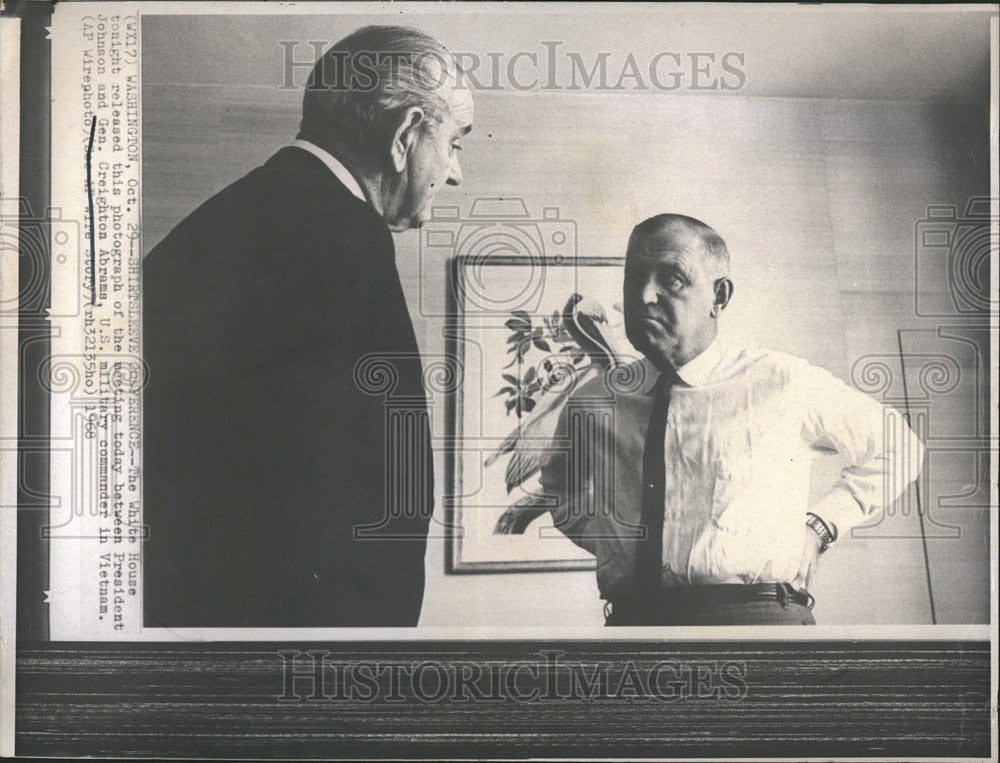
x,y
819,699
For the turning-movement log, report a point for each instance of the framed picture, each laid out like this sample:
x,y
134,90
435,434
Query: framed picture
x,y
527,331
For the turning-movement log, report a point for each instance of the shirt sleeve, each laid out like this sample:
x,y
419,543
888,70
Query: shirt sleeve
x,y
884,455
569,502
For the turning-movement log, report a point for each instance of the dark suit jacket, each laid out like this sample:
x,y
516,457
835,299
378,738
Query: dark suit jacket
x,y
263,455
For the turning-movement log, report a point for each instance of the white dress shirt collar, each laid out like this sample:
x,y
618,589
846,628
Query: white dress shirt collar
x,y
698,370
695,372
343,174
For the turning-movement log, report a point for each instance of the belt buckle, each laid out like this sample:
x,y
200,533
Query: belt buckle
x,y
782,595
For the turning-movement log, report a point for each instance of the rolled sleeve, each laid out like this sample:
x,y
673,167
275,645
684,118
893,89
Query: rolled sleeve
x,y
884,455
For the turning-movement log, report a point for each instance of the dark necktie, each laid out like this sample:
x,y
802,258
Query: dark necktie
x,y
649,554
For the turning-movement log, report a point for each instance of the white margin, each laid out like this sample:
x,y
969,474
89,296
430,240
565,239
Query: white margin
x,y
10,103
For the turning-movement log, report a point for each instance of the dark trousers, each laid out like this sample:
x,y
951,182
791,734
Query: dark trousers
x,y
711,605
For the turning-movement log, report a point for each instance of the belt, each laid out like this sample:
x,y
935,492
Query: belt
x,y
678,599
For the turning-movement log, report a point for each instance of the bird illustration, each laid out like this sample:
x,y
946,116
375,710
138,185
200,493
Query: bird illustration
x,y
530,443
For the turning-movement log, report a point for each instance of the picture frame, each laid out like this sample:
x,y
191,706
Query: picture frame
x,y
508,333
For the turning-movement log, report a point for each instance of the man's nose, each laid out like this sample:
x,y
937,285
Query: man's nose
x,y
649,293
455,175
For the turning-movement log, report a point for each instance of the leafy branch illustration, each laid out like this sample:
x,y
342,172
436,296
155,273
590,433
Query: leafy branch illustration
x,y
577,345
527,381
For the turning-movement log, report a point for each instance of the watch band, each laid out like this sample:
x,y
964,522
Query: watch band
x,y
821,529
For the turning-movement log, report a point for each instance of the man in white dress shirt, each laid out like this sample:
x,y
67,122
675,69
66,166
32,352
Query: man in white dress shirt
x,y
696,505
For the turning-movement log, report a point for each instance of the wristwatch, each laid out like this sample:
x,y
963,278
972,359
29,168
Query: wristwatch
x,y
821,529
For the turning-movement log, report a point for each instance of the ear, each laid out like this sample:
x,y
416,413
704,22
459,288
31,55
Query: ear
x,y
405,136
723,293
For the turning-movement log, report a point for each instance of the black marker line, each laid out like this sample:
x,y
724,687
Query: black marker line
x,y
90,207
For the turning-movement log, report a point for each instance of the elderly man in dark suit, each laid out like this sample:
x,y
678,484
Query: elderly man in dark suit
x,y
271,491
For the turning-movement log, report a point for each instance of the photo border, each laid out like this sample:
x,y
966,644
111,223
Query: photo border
x,y
931,698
